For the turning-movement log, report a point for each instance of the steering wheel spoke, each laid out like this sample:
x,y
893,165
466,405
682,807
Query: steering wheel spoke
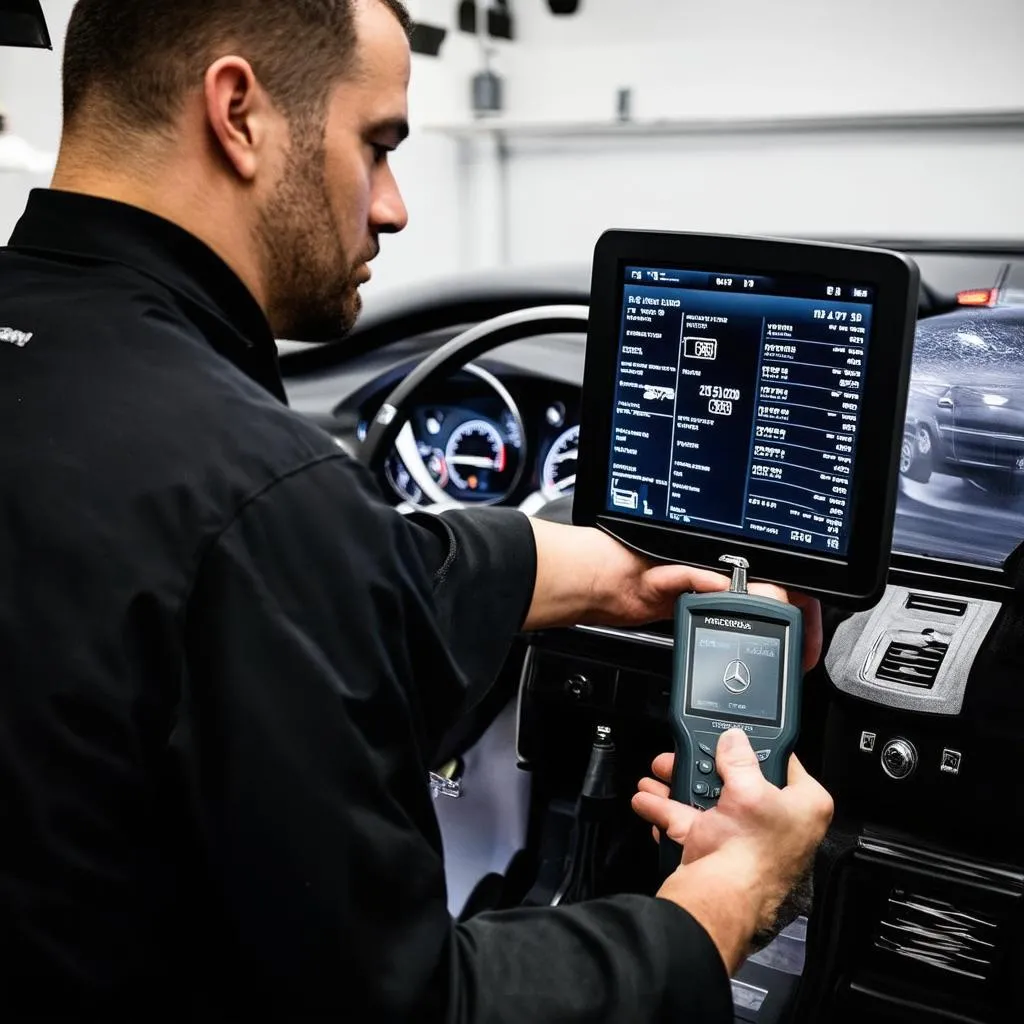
x,y
409,453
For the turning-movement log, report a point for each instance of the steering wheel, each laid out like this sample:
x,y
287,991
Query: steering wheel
x,y
390,427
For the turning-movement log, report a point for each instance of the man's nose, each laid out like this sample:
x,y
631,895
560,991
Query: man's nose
x,y
388,214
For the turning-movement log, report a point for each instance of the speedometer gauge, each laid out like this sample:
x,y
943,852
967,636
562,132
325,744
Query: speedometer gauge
x,y
478,460
559,473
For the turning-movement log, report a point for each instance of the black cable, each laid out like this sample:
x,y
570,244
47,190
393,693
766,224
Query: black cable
x,y
595,807
593,871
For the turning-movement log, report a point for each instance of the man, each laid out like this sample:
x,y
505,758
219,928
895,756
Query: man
x,y
227,660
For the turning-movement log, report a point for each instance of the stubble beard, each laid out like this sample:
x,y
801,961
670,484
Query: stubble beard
x,y
311,283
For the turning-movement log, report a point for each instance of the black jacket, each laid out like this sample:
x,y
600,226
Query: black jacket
x,y
225,663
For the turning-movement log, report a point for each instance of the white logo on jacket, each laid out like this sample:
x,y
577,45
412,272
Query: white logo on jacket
x,y
13,337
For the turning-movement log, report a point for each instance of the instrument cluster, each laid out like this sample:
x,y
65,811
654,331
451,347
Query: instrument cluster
x,y
480,445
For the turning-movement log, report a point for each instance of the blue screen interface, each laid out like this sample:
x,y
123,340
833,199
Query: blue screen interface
x,y
738,404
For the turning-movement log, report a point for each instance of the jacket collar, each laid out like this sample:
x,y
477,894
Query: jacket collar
x,y
208,291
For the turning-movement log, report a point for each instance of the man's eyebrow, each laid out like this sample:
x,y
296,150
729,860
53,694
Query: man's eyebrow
x,y
397,126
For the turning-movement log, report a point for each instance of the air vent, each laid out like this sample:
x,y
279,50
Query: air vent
x,y
938,605
913,662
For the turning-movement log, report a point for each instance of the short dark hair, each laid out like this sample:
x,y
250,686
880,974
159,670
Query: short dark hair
x,y
142,56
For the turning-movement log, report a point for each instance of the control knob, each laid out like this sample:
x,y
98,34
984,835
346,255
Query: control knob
x,y
899,758
579,687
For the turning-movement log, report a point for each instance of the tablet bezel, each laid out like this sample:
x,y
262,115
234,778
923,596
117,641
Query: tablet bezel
x,y
855,580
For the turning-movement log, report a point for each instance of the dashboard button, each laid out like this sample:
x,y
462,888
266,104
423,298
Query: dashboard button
x,y
705,767
899,758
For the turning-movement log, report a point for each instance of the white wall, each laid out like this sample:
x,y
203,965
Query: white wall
x,y
434,170
30,97
769,58
920,184
428,165
732,65
726,62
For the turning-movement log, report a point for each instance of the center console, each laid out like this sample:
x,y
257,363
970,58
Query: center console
x,y
918,911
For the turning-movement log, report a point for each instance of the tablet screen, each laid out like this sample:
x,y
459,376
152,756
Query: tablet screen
x,y
737,406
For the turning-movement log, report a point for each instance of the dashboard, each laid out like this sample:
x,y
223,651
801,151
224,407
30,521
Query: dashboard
x,y
504,431
482,442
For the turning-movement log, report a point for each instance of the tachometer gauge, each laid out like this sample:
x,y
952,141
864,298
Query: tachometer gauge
x,y
559,473
478,460
401,479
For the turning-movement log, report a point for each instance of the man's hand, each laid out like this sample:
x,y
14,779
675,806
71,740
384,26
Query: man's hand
x,y
743,857
586,577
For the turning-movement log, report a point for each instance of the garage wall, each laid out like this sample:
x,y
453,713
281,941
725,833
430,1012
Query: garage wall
x,y
958,183
30,99
436,170
779,117
748,58
428,165
901,119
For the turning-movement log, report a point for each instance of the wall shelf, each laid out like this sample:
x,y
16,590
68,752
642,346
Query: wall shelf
x,y
987,120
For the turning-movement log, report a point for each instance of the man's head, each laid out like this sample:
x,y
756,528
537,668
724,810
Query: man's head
x,y
262,127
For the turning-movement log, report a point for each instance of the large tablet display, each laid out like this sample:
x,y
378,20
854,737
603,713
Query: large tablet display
x,y
747,396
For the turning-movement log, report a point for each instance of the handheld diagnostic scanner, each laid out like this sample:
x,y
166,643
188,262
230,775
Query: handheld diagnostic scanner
x,y
738,664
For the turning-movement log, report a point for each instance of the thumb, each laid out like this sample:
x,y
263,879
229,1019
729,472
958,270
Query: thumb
x,y
736,760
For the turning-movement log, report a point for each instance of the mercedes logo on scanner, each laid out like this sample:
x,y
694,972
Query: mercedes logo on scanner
x,y
737,677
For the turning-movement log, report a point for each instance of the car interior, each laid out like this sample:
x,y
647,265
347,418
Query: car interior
x,y
910,719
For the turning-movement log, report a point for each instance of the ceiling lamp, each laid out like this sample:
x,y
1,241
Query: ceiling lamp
x,y
22,24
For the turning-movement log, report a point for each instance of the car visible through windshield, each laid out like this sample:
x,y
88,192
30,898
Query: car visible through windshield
x,y
962,459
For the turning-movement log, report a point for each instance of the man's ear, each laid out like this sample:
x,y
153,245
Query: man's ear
x,y
238,112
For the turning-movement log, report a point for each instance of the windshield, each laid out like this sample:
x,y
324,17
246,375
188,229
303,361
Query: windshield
x,y
961,495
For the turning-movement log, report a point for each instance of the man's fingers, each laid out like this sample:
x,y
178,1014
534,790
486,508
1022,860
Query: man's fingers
x,y
796,773
669,816
655,809
655,788
663,766
811,608
669,581
813,794
813,629
771,591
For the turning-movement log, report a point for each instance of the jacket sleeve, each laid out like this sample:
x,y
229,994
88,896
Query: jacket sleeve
x,y
322,630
